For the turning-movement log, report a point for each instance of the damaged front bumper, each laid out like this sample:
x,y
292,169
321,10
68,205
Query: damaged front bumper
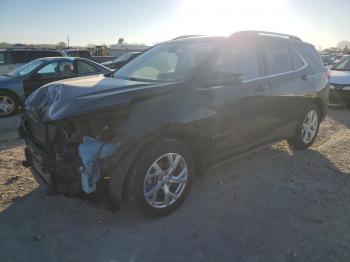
x,y
72,162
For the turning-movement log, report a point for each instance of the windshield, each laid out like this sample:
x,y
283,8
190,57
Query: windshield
x,y
26,68
343,65
168,62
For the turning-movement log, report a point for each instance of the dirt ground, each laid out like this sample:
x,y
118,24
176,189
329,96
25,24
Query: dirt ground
x,y
272,205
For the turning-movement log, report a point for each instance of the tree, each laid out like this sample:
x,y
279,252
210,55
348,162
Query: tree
x,y
120,41
61,45
346,50
4,45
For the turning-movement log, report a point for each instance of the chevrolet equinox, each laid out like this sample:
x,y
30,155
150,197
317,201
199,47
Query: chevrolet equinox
x,y
144,131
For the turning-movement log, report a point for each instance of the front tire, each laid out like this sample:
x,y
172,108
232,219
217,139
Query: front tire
x,y
161,177
9,104
308,128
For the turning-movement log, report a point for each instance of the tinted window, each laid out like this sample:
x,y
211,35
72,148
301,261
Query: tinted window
x,y
50,70
21,57
50,54
85,54
85,68
240,57
73,53
297,62
4,58
277,57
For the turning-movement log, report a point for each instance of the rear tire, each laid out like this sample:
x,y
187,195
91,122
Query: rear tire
x,y
9,104
161,177
308,128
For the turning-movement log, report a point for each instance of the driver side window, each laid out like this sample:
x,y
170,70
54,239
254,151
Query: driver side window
x,y
240,57
50,70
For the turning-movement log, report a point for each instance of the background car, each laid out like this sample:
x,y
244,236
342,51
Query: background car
x,y
339,83
20,83
78,53
10,59
121,60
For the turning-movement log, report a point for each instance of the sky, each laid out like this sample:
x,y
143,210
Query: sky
x,y
322,23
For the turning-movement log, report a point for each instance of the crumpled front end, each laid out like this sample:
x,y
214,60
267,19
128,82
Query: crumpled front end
x,y
74,156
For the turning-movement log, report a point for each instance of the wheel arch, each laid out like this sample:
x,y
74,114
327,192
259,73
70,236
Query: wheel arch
x,y
120,182
5,90
321,106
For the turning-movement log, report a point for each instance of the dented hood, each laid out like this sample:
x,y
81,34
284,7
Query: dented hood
x,y
83,95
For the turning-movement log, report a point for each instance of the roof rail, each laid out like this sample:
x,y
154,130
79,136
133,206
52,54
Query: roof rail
x,y
266,33
185,36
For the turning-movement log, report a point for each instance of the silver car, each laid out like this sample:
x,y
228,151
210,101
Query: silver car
x,y
340,83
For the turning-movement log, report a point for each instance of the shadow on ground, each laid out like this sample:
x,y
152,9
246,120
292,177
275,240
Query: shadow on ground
x,y
268,206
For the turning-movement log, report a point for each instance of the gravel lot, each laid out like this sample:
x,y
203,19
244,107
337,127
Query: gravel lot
x,y
272,205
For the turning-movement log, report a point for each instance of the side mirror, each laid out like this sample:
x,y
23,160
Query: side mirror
x,y
36,76
226,78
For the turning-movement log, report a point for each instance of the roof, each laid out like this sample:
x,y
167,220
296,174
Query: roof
x,y
62,58
30,49
194,38
266,33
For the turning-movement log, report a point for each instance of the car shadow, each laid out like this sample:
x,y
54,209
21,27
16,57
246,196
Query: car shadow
x,y
270,205
341,115
8,132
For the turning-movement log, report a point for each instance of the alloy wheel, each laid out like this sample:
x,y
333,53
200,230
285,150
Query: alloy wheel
x,y
165,180
7,105
309,128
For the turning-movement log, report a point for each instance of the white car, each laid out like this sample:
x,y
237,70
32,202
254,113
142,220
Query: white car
x,y
339,83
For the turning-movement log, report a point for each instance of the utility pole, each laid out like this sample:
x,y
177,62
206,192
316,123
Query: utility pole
x,y
67,41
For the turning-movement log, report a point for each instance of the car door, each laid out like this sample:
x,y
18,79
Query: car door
x,y
289,80
238,111
50,72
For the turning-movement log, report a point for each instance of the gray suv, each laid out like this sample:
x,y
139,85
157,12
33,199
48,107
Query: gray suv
x,y
146,130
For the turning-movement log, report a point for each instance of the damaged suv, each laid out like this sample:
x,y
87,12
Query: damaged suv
x,y
148,128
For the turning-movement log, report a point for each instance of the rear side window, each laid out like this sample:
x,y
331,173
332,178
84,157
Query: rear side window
x,y
277,57
297,62
85,68
240,57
